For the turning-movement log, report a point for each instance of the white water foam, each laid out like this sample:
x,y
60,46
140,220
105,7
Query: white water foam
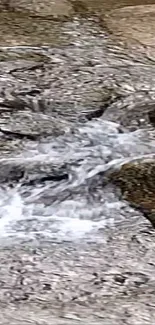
x,y
66,221
10,211
72,208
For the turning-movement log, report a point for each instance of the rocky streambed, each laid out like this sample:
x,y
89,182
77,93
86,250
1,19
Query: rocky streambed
x,y
77,145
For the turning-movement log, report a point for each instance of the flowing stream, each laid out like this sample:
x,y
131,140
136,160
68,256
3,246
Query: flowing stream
x,y
56,186
77,98
77,202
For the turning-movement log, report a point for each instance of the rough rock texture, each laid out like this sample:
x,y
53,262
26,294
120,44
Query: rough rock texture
x,y
44,8
134,24
110,282
137,182
82,74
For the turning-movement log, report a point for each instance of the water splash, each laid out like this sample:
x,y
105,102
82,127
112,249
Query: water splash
x,y
80,205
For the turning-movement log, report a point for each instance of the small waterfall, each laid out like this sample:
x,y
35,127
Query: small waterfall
x,y
79,205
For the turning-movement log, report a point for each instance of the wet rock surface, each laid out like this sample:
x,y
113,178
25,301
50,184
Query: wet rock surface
x,y
75,105
137,182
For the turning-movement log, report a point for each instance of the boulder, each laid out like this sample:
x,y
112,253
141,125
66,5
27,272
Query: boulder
x,y
137,183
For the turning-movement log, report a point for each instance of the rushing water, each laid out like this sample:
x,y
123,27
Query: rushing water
x,y
63,192
80,202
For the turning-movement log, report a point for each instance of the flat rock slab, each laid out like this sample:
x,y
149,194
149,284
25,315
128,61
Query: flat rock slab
x,y
81,283
20,28
135,23
42,8
32,124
